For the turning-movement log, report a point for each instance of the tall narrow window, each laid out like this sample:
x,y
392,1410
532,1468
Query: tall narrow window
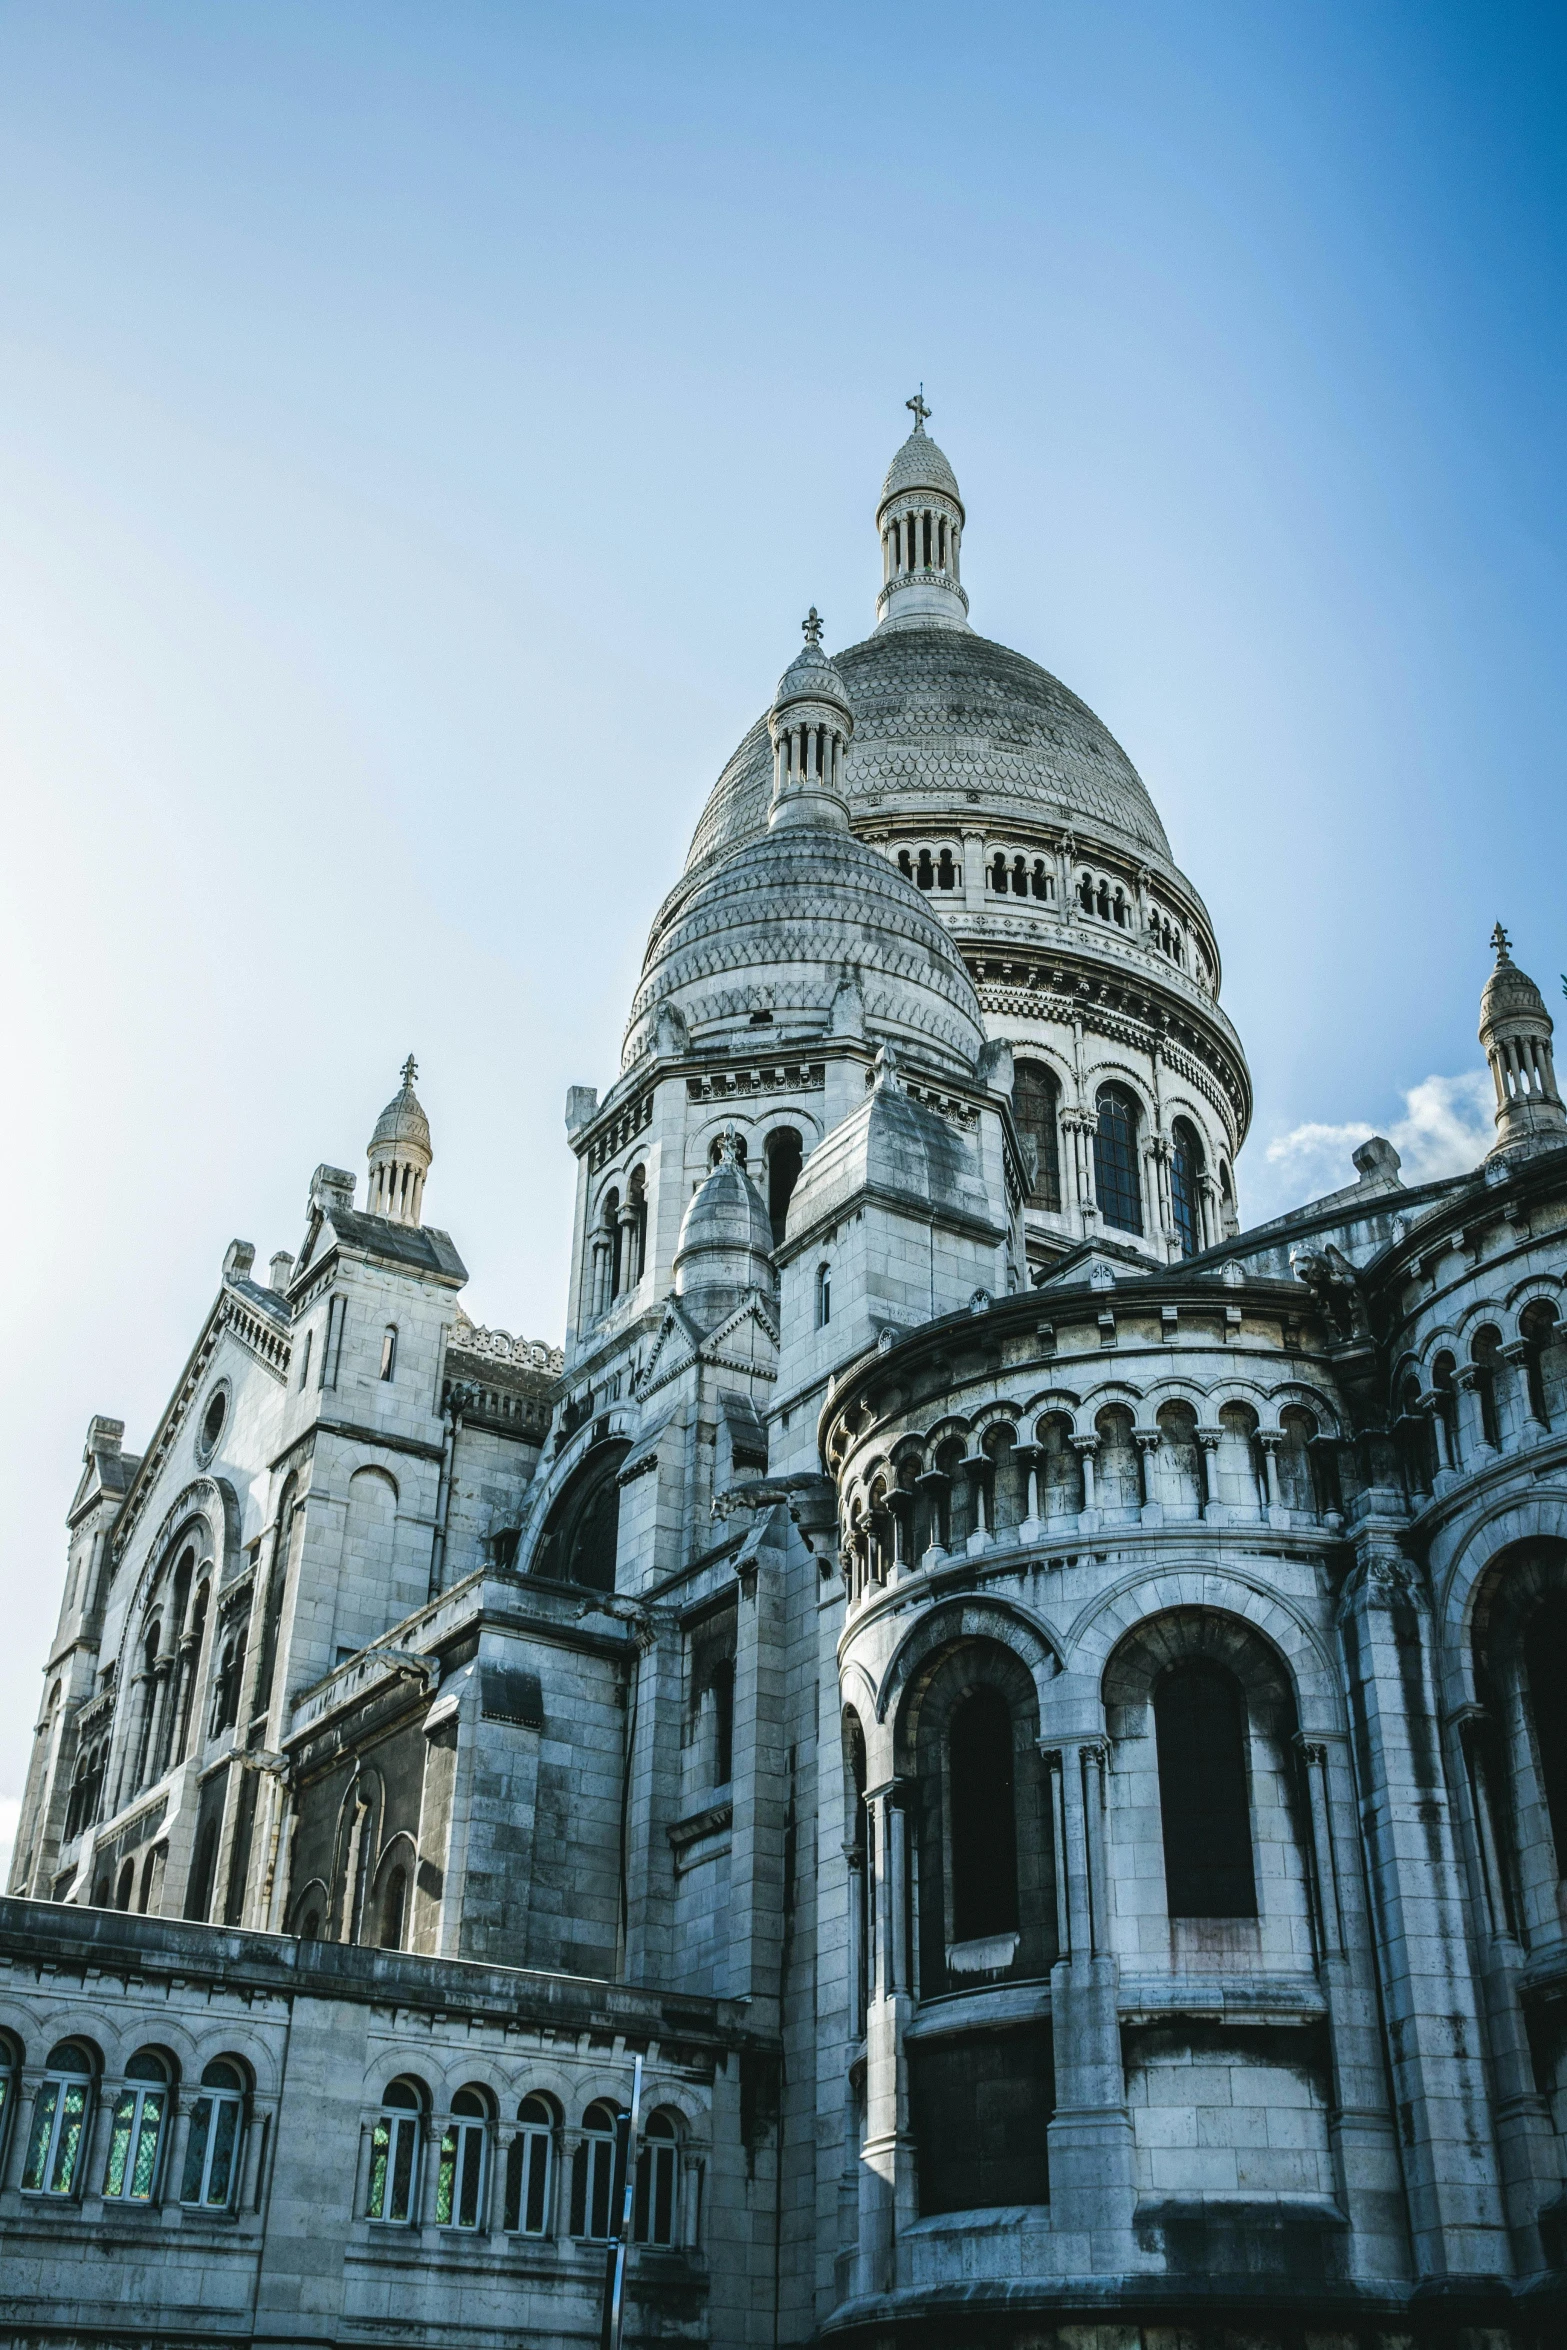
x,y
304,1357
1036,1099
983,1815
723,1722
1186,1166
1546,1652
394,1901
60,2114
823,1296
216,2127
389,1351
459,2180
332,1350
1116,1178
1204,1798
394,2156
1486,1353
592,2174
655,2212
784,1160
529,2164
136,2132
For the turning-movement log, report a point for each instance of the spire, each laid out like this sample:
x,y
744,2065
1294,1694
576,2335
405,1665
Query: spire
x,y
400,1154
920,523
1516,1031
811,724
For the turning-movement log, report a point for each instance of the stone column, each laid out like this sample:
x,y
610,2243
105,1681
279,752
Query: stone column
x,y
1210,1439
887,2153
1429,1995
1513,1401
973,872
1148,1441
1092,2190
1473,1446
1270,1439
1085,1448
1526,2140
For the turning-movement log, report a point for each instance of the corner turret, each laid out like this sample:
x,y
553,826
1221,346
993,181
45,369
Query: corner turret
x,y
400,1154
1516,1031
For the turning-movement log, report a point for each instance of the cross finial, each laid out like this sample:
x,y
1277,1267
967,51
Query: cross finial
x,y
811,626
410,1071
919,408
1502,943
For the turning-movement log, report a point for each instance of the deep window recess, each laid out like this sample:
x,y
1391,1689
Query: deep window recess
x,y
332,1350
529,2162
784,1157
136,2131
1186,1165
655,2213
823,1296
1204,1798
1036,1099
60,2113
389,1351
1546,1653
394,1900
984,1828
581,1536
394,2156
459,2181
723,1721
592,2174
212,1425
1116,1180
1486,1353
212,2148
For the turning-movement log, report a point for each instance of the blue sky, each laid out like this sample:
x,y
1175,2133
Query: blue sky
x,y
422,428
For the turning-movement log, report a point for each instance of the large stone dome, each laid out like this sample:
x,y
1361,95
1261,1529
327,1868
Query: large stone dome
x,y
795,922
944,719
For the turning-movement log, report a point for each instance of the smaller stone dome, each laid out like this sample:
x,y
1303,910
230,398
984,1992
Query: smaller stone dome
x,y
812,677
726,1238
403,1121
1509,992
920,465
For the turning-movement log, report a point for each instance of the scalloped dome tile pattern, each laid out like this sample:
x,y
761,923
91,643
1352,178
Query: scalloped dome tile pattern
x,y
940,713
782,920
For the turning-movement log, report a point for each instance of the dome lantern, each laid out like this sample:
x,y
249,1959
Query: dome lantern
x,y
810,724
400,1154
1516,1031
919,519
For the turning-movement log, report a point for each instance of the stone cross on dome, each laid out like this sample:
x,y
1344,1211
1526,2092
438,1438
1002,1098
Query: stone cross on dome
x,y
811,627
1502,944
410,1070
920,411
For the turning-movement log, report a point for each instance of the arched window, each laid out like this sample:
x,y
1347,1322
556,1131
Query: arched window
x,y
998,874
946,871
655,2212
983,1814
592,2174
906,864
636,1201
1486,1353
1117,1182
389,1351
61,2110
136,2131
1036,1100
126,1886
394,2155
1204,1794
784,1158
925,871
1186,1168
1539,1330
823,1296
394,1899
459,2181
530,2162
212,2148
1444,1387
204,1868
582,1534
614,1244
190,1668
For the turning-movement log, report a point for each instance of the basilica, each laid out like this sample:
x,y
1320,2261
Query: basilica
x,y
1016,1723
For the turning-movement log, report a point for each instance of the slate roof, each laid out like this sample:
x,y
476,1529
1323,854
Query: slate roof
x,y
419,1245
939,713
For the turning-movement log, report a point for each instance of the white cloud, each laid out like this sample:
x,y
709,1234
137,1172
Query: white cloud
x,y
1446,1129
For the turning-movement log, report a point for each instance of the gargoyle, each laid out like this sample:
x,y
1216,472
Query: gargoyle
x,y
1335,1286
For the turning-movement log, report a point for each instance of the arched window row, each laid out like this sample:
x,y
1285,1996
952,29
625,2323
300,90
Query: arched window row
x,y
1481,1393
918,539
937,867
1105,898
805,754
618,1247
57,2112
1012,1480
164,1667
1013,873
486,2167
